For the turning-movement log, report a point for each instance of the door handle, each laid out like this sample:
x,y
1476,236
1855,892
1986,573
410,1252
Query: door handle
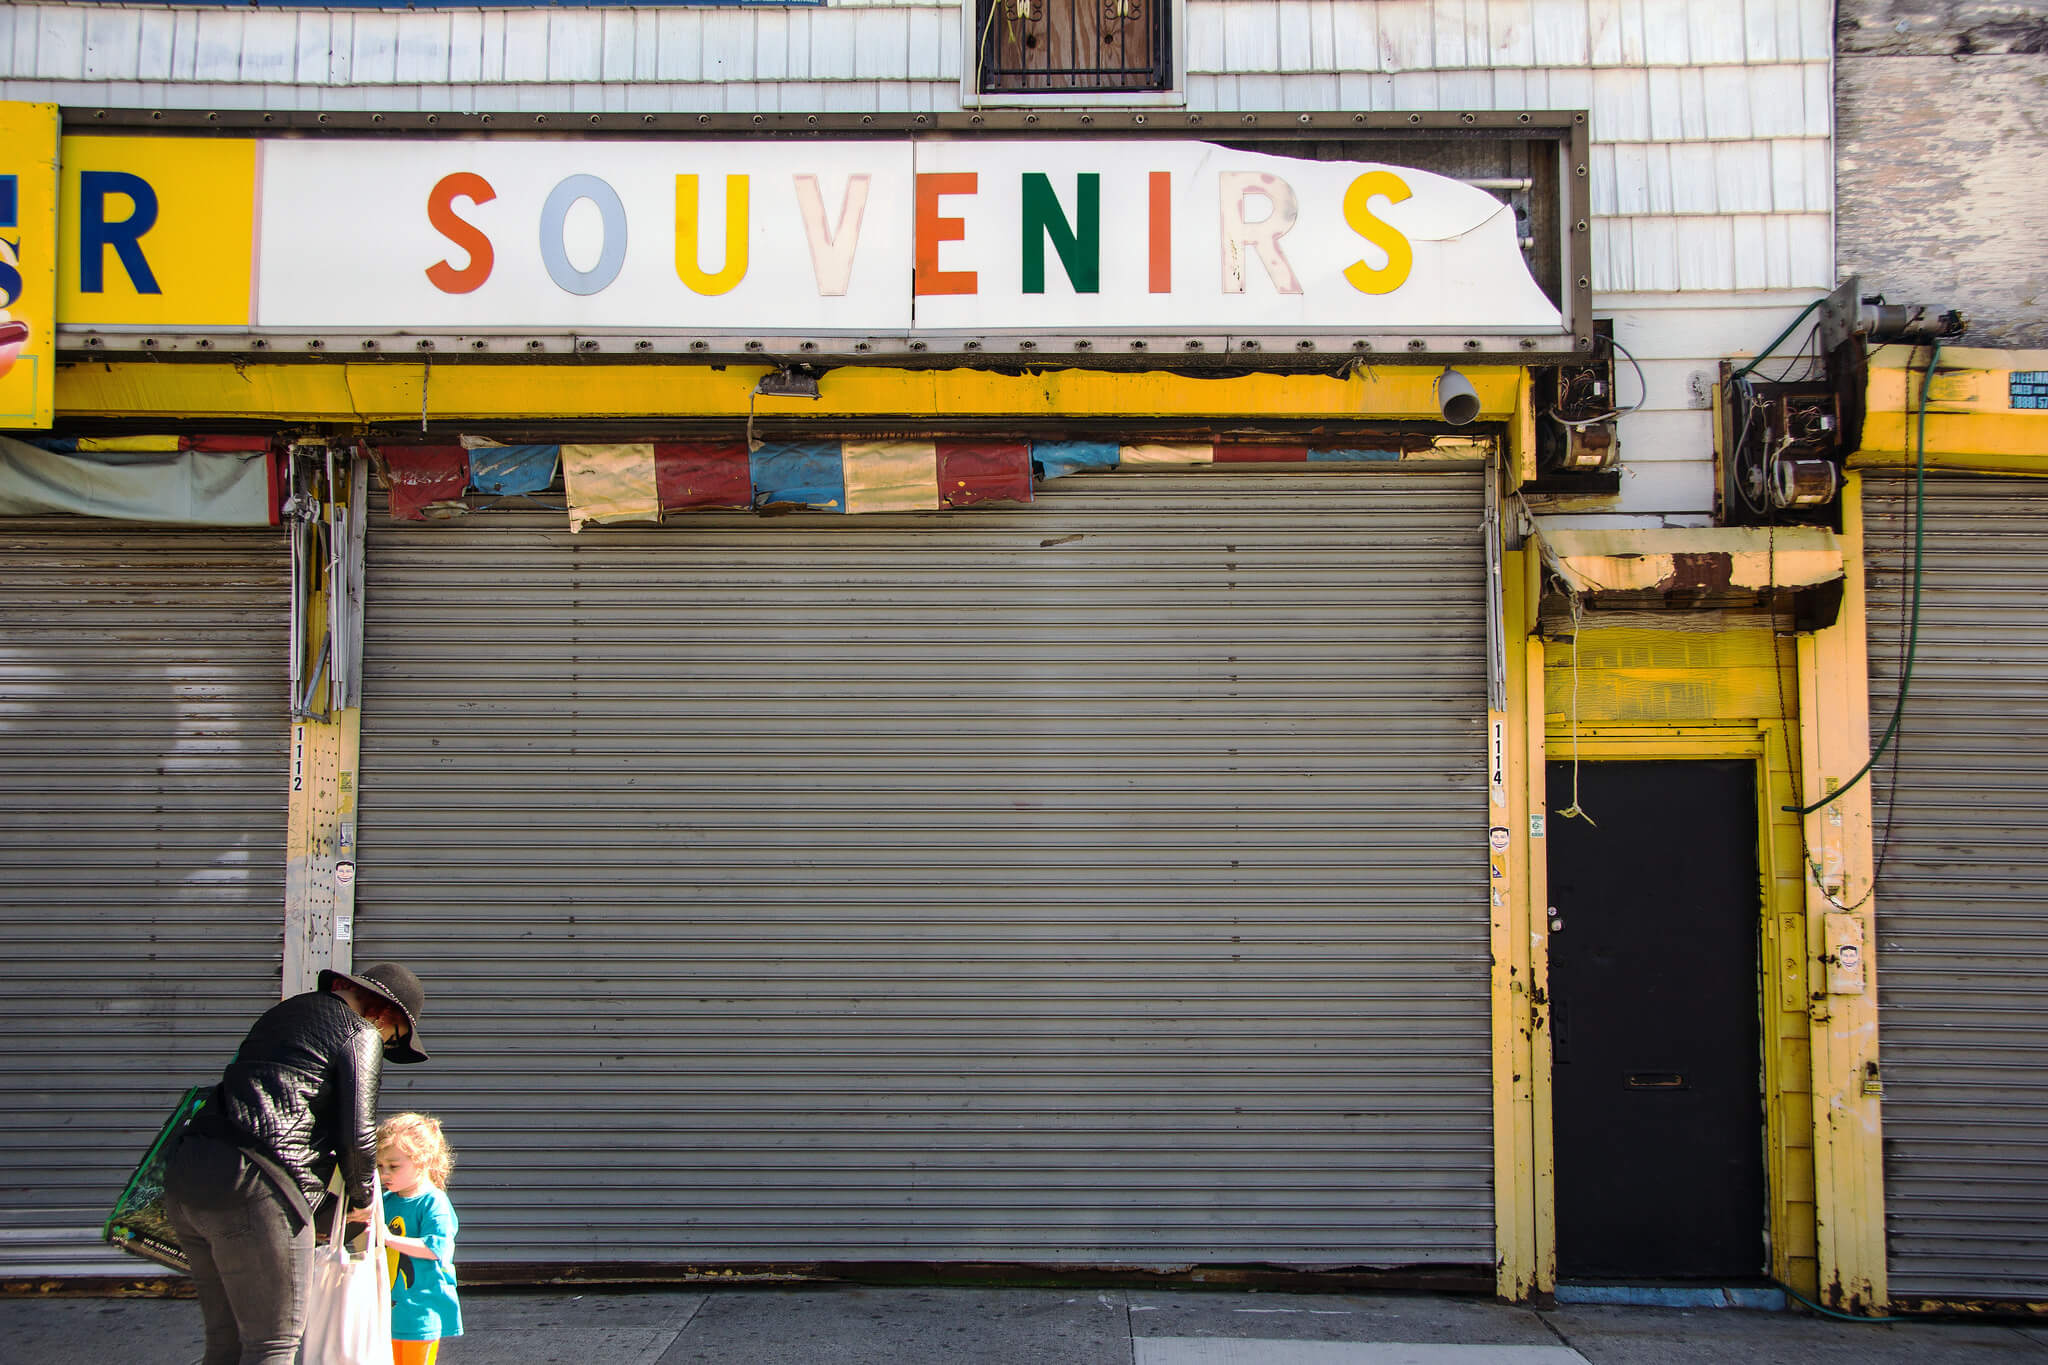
x,y
1657,1080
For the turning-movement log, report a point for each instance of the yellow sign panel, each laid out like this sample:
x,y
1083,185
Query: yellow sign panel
x,y
158,232
28,264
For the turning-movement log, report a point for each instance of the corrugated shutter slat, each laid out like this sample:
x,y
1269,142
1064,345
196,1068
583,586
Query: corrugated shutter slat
x,y
1962,901
1092,882
143,732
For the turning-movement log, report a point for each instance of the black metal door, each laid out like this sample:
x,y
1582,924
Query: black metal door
x,y
1658,1116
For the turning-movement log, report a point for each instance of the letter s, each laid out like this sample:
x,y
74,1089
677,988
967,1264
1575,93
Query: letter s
x,y
441,213
11,283
1358,212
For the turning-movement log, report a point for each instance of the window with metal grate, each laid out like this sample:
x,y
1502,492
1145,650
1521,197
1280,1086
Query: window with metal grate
x,y
1058,46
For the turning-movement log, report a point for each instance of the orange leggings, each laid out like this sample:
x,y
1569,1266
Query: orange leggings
x,y
414,1352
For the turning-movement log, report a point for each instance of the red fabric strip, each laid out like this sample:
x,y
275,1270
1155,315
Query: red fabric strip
x,y
423,474
702,474
225,445
1240,453
984,471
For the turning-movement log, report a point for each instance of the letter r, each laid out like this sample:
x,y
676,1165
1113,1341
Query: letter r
x,y
96,234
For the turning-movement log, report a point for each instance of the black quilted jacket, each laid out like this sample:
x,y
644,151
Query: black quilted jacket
x,y
303,1092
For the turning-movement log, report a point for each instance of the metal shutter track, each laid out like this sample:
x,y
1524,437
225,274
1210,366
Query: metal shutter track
x,y
1962,902
1092,882
143,733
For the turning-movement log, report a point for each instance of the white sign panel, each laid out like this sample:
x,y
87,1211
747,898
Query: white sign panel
x,y
473,235
866,237
1179,236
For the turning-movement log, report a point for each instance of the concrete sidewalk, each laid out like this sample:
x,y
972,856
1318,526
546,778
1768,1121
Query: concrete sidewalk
x,y
848,1325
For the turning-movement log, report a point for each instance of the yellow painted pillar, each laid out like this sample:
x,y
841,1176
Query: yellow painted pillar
x,y
1525,1193
1535,902
319,877
1521,463
320,830
1848,1153
1525,1262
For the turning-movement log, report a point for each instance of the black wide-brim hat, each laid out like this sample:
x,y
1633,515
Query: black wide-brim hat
x,y
389,981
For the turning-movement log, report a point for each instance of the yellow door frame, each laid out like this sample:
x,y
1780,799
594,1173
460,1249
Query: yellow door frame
x,y
1735,690
1787,1102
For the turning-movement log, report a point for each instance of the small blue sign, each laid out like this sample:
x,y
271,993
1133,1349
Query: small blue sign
x,y
2030,389
10,203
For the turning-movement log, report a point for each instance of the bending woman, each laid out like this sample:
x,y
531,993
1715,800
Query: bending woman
x,y
242,1186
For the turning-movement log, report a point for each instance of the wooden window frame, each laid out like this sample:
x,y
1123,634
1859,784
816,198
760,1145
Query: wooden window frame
x,y
1173,92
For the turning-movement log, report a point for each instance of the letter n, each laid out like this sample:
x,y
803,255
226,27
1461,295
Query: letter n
x,y
1079,245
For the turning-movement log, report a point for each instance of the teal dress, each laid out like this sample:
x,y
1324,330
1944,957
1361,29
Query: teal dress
x,y
423,1302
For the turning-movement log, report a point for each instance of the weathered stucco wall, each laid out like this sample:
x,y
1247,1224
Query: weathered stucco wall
x,y
1942,159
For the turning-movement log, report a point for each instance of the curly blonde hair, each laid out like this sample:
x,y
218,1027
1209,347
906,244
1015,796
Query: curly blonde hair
x,y
419,1137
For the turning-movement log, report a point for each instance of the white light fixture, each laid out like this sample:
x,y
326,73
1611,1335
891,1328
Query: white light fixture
x,y
1456,399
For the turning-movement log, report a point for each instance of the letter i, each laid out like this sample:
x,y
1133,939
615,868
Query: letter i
x,y
1162,232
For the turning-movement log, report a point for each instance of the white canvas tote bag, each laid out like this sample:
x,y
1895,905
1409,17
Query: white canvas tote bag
x,y
348,1311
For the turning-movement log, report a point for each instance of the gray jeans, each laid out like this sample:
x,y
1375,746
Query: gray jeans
x,y
251,1253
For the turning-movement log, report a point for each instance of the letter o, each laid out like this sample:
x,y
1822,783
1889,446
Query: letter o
x,y
554,215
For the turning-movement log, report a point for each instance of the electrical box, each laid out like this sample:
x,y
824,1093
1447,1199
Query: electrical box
x,y
1576,446
1780,450
1842,951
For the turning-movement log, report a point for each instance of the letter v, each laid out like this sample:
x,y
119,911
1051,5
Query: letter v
x,y
832,252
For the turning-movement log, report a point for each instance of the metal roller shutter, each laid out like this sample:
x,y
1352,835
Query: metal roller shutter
x,y
143,732
1962,896
1092,882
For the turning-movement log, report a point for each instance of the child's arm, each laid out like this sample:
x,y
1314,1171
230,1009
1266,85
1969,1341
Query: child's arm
x,y
436,1241
410,1246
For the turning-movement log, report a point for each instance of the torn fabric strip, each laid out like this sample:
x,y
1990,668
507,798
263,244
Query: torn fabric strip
x,y
984,471
689,474
183,488
507,471
419,475
608,483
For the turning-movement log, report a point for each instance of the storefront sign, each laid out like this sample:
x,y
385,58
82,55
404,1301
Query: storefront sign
x,y
842,238
28,264
157,232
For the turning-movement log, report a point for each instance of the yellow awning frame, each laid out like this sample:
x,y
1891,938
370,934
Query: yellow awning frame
x,y
1971,425
364,392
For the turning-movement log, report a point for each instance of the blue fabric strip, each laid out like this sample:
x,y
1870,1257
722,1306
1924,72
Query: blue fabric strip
x,y
513,469
809,473
1056,458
